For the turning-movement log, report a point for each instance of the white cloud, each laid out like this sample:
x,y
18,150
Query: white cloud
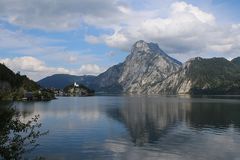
x,y
58,15
181,29
90,69
185,30
37,69
188,9
111,54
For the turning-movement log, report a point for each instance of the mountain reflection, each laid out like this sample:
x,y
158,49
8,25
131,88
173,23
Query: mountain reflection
x,y
214,115
149,119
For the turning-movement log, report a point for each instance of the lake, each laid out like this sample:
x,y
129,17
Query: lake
x,y
137,127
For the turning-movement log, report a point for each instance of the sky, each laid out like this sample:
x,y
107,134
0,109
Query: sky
x,y
41,38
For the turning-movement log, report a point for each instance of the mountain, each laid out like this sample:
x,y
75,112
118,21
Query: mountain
x,y
14,86
149,70
147,64
202,76
61,80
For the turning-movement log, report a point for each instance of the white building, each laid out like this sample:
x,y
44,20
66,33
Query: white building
x,y
76,85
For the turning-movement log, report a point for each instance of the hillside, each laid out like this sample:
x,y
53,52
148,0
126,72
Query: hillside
x,y
202,76
236,61
14,86
16,80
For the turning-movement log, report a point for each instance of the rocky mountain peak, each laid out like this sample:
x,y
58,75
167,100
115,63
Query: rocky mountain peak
x,y
146,64
142,46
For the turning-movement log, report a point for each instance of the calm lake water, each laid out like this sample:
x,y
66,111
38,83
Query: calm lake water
x,y
134,128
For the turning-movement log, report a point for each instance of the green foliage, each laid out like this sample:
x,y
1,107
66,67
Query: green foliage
x,y
17,137
47,94
7,75
15,85
27,84
16,80
214,76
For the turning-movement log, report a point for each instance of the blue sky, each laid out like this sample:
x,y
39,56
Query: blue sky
x,y
41,38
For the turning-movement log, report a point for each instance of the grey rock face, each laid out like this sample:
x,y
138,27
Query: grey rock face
x,y
176,83
146,65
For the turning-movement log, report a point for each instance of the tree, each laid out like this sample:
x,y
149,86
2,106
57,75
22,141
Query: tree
x,y
17,137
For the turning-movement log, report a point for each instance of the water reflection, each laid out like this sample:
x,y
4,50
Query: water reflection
x,y
214,115
148,119
177,128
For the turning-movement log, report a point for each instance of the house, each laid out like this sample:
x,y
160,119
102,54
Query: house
x,y
28,96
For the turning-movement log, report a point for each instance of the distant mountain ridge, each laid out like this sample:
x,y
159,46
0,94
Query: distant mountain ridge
x,y
149,70
60,81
